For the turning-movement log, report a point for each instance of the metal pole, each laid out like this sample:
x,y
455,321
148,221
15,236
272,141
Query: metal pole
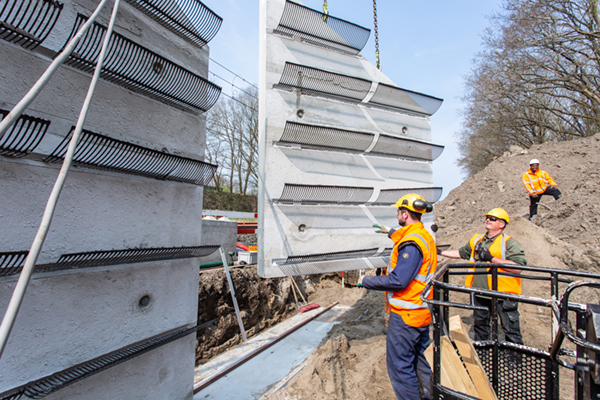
x,y
17,298
235,304
16,112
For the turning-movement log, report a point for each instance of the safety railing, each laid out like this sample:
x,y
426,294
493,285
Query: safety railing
x,y
28,22
101,152
317,82
45,386
190,19
24,136
515,371
328,138
11,263
321,29
142,71
390,196
319,194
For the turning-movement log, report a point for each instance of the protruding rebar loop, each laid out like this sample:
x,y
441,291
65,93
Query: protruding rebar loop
x,y
19,292
101,152
320,28
39,85
28,22
24,136
144,71
190,19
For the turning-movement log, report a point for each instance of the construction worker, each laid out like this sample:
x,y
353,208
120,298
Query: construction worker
x,y
413,262
497,248
538,183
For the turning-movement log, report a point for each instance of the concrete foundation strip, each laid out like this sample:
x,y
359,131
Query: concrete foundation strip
x,y
219,374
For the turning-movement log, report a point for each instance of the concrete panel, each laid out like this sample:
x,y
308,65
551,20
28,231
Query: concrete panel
x,y
164,373
223,233
302,229
67,319
96,211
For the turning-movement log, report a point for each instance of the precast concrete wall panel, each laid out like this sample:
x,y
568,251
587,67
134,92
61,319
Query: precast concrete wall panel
x,y
129,285
338,142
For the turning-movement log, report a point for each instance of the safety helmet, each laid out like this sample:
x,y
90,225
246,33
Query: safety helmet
x,y
415,203
499,213
534,161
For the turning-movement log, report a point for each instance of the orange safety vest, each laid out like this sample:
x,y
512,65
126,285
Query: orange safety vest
x,y
406,302
506,284
536,183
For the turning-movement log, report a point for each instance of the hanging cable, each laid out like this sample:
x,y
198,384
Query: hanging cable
x,y
376,34
17,297
227,69
325,11
39,85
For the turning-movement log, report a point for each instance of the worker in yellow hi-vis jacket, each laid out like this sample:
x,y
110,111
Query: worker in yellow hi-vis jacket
x,y
538,183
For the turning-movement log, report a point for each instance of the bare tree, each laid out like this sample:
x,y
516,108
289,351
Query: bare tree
x,y
232,140
536,80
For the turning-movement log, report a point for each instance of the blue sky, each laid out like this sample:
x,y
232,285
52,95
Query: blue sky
x,y
425,46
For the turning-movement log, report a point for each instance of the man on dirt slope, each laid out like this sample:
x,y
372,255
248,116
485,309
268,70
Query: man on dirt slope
x,y
413,262
497,248
538,183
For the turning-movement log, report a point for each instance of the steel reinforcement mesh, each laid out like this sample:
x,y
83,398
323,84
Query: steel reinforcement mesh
x,y
395,97
315,194
390,196
521,375
141,70
28,22
23,136
101,152
322,83
325,137
190,19
317,28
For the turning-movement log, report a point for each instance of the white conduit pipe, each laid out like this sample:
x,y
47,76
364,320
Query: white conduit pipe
x,y
16,112
17,297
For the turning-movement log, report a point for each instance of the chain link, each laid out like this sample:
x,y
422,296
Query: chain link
x,y
376,34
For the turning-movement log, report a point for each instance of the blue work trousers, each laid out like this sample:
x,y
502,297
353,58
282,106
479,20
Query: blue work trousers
x,y
407,367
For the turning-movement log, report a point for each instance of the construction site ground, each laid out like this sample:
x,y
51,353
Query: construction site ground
x,y
349,362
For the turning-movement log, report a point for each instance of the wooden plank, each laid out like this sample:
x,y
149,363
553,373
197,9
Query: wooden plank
x,y
454,376
460,336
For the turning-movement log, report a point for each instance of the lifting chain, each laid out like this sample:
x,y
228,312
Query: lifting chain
x,y
376,34
325,10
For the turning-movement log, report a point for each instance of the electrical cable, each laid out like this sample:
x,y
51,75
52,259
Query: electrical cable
x,y
227,69
232,84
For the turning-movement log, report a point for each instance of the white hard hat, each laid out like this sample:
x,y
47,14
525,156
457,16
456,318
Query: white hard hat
x,y
534,161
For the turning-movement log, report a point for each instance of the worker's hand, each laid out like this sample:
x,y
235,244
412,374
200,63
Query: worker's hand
x,y
359,284
485,255
381,228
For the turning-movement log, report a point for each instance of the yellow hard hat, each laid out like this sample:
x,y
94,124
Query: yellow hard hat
x,y
414,202
499,213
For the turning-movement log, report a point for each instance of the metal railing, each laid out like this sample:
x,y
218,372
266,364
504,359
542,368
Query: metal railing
x,y
190,19
315,27
28,22
101,152
23,136
515,371
142,70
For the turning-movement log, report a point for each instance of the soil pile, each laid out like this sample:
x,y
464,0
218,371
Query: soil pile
x,y
350,364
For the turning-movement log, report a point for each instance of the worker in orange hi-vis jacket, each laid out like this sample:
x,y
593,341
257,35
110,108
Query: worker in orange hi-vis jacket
x,y
538,183
412,264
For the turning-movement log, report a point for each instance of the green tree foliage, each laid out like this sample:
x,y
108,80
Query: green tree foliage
x,y
536,80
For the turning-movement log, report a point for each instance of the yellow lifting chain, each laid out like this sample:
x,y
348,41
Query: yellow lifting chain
x,y
325,10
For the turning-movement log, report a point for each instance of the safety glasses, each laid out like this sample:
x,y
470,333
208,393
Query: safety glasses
x,y
493,219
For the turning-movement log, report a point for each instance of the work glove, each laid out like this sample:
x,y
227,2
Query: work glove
x,y
485,255
438,251
359,284
381,228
